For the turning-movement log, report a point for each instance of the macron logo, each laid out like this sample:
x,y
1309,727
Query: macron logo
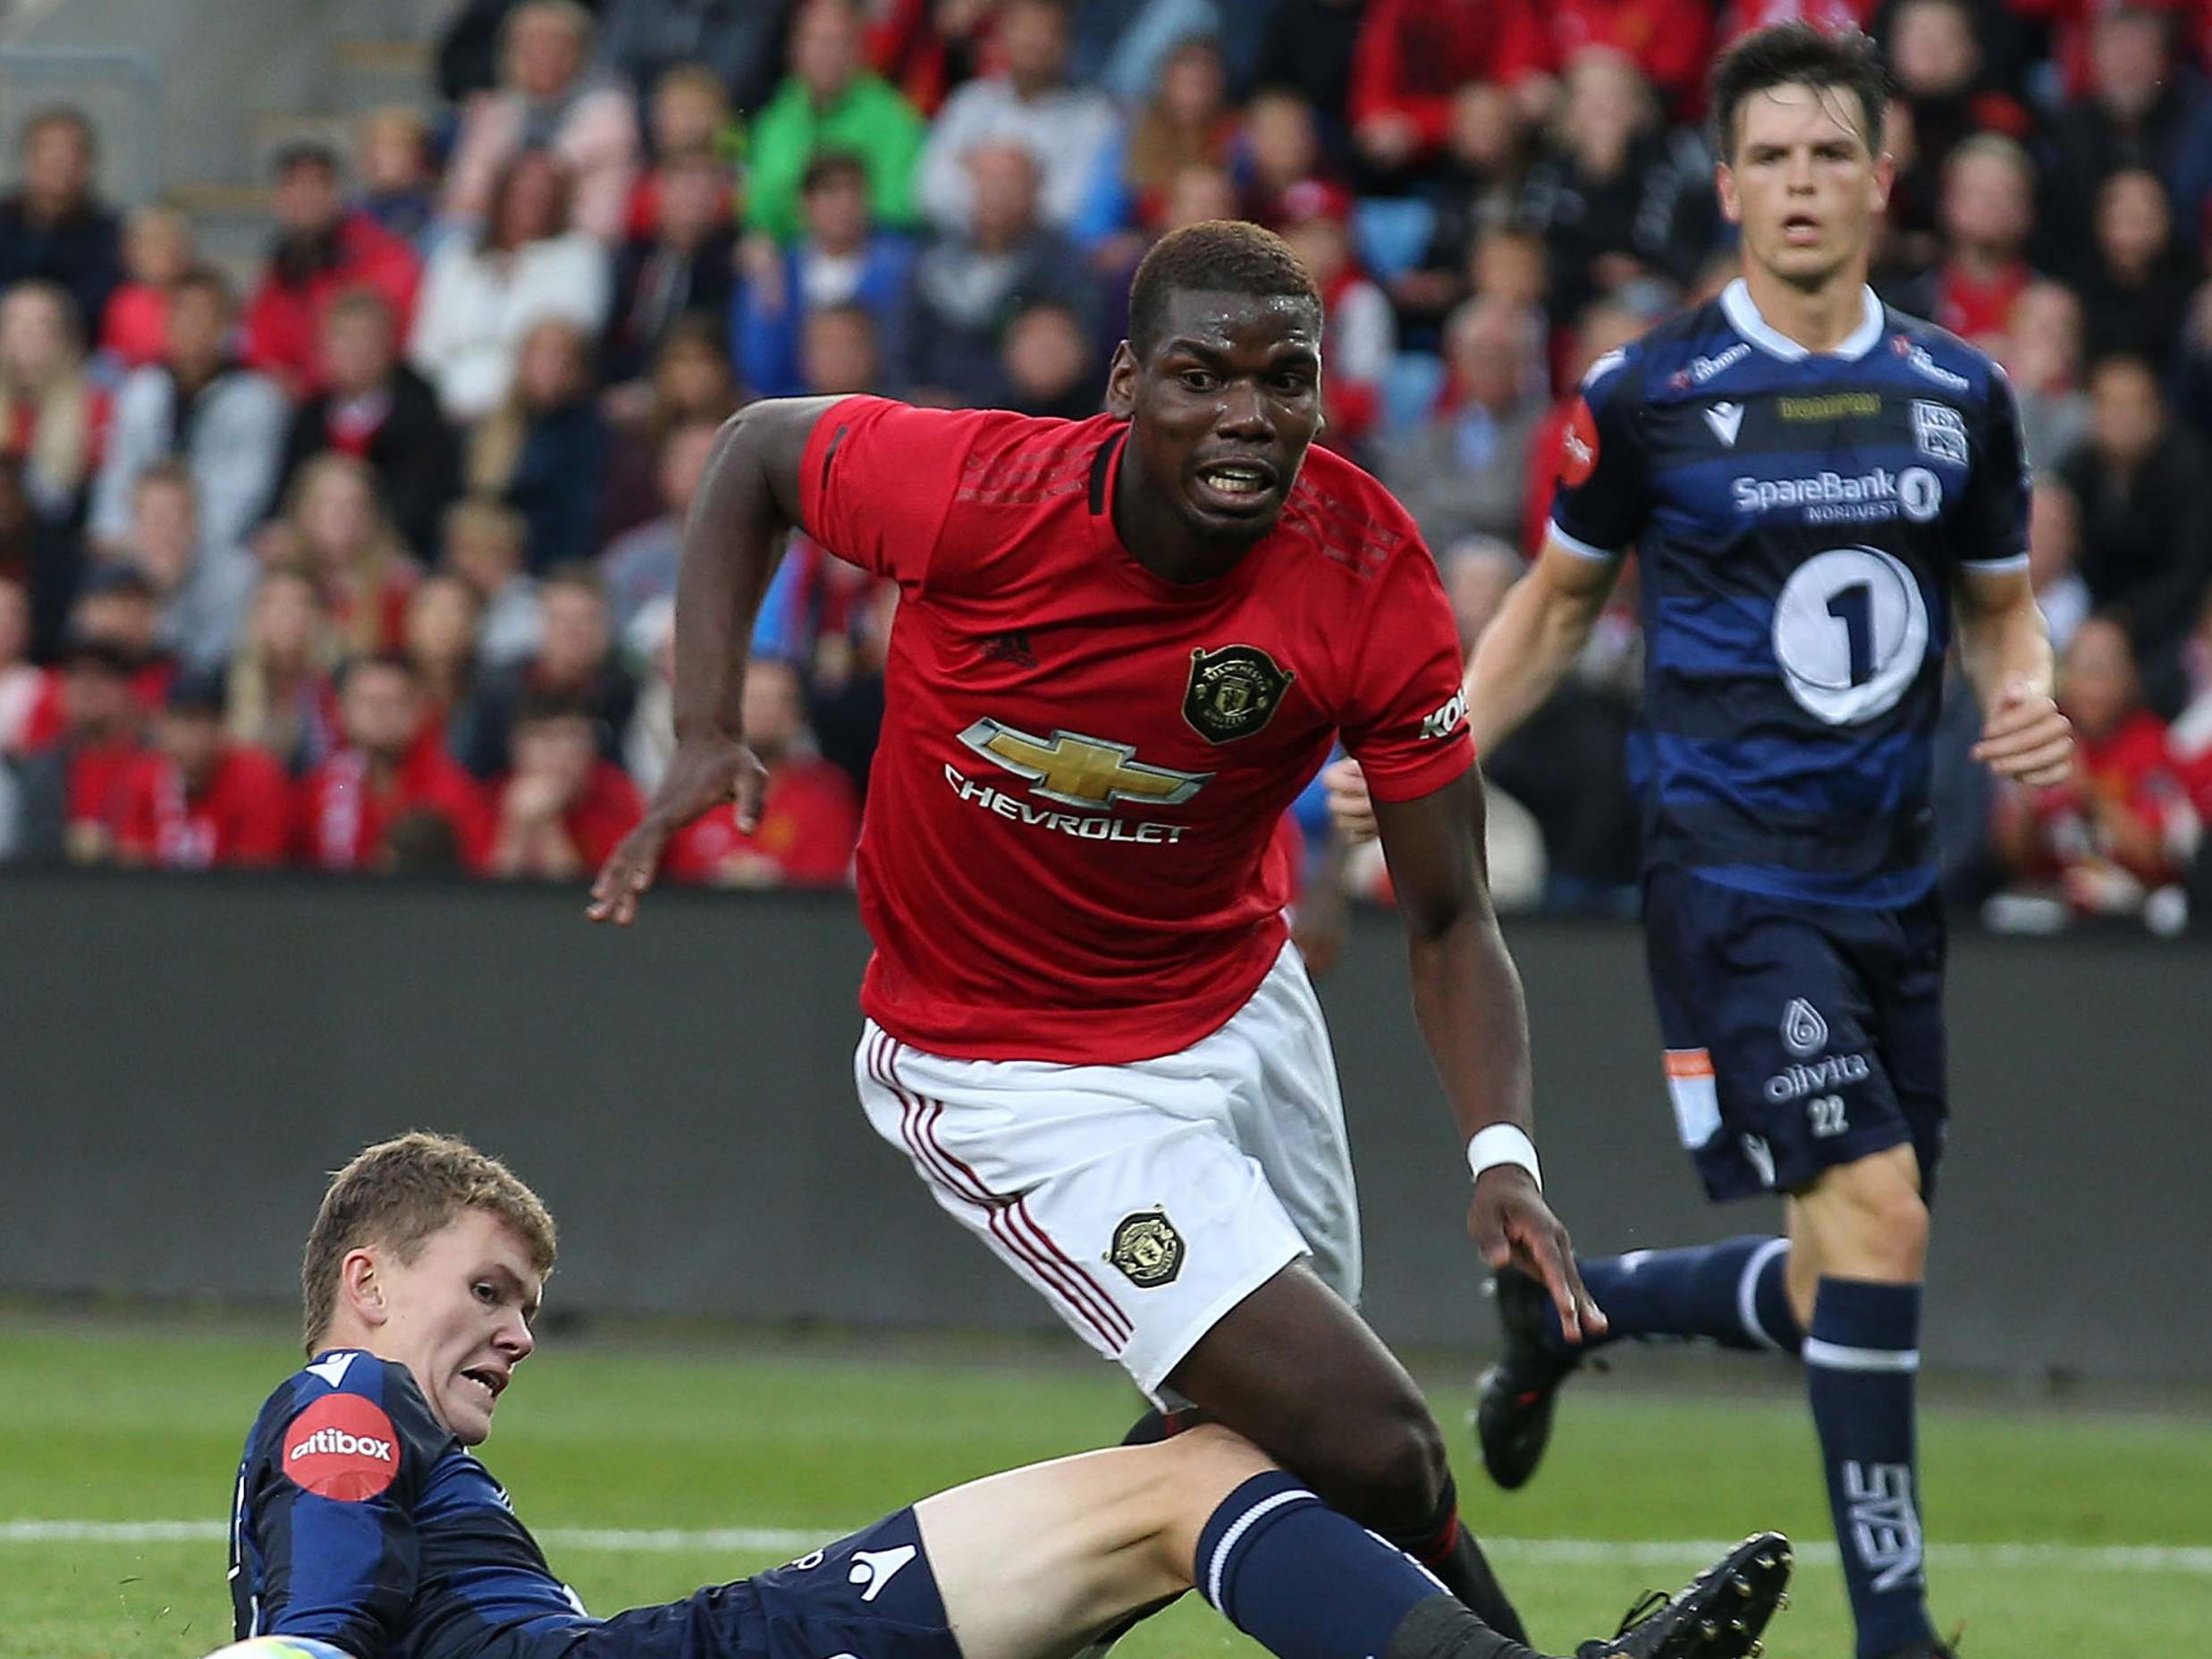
x,y
877,1568
337,1441
1725,419
334,1369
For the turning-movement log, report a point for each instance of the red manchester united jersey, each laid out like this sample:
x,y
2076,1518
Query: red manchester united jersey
x,y
1066,850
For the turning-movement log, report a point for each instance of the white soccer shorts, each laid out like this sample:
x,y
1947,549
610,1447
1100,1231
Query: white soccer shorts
x,y
1144,1200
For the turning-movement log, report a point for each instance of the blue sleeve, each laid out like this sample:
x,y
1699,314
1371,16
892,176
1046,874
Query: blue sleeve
x,y
1603,491
330,1501
1993,526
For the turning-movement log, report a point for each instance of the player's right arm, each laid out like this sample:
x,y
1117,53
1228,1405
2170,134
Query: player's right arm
x,y
870,479
747,499
327,1497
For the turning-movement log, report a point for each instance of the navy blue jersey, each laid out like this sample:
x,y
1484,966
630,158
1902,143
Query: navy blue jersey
x,y
361,1520
1798,519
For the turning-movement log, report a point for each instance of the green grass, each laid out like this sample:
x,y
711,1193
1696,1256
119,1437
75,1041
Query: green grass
x,y
98,1422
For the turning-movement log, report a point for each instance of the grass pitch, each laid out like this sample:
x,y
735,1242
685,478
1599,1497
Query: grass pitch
x,y
102,1424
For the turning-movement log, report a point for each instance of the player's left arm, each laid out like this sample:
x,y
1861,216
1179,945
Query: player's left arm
x,y
2003,645
2005,650
1467,999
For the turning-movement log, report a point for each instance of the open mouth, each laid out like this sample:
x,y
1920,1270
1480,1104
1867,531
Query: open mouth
x,y
1237,485
490,1382
1801,227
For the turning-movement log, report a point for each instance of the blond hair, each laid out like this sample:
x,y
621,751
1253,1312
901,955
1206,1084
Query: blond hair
x,y
385,555
397,1193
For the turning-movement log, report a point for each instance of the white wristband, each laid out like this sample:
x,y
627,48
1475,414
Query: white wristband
x,y
1502,1143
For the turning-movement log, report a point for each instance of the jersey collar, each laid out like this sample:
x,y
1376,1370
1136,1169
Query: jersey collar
x,y
1743,314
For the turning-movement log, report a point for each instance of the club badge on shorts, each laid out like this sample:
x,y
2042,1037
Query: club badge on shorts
x,y
1147,1249
1233,691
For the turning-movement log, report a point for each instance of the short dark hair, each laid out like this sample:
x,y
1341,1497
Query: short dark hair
x,y
210,279
59,115
832,164
1798,55
298,153
1216,256
538,707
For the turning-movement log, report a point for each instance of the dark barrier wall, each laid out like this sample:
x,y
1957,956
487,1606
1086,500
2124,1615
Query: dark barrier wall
x,y
179,1060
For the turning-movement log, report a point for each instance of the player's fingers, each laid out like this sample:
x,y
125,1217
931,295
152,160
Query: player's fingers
x,y
1554,1268
2049,765
2001,746
1592,1317
1488,1229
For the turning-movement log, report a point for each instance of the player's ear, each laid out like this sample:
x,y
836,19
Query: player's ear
x,y
1121,383
360,1287
1885,179
1724,186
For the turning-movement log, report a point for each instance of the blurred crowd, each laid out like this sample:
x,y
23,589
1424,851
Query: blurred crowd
x,y
366,561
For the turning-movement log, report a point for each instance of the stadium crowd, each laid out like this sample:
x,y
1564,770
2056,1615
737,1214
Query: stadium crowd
x,y
369,564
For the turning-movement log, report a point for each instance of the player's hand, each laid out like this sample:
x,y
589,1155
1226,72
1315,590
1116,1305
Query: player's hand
x,y
1349,803
701,776
1513,1227
2026,737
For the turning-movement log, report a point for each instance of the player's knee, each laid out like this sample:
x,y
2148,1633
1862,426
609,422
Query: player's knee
x,y
1393,1467
1880,1227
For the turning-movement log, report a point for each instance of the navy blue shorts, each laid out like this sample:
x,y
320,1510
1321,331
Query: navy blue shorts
x,y
1798,1036
871,1596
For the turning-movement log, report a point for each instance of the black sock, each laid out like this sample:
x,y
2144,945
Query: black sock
x,y
1441,1628
1448,1550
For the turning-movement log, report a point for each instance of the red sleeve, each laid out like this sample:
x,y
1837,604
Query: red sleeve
x,y
610,810
263,810
1679,48
43,729
135,831
275,332
1406,719
828,824
878,481
1379,80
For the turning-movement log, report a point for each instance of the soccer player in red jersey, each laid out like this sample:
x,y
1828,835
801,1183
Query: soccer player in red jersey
x,y
1124,645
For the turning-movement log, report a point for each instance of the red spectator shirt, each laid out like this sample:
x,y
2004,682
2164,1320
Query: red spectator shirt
x,y
1670,40
339,820
1972,309
1065,854
808,823
284,324
2132,766
607,810
241,818
1414,55
99,777
135,326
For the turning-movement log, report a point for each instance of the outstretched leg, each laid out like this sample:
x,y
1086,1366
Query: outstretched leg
x,y
1032,1563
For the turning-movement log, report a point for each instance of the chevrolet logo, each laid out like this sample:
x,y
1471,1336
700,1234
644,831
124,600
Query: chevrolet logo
x,y
1078,771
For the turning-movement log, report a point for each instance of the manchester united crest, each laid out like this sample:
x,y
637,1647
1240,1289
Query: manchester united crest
x,y
1233,691
1147,1249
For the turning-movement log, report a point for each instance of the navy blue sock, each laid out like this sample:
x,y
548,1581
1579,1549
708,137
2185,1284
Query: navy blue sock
x,y
1307,1583
1733,1292
1862,1363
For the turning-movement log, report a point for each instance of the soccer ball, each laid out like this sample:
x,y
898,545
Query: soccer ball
x,y
280,1648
